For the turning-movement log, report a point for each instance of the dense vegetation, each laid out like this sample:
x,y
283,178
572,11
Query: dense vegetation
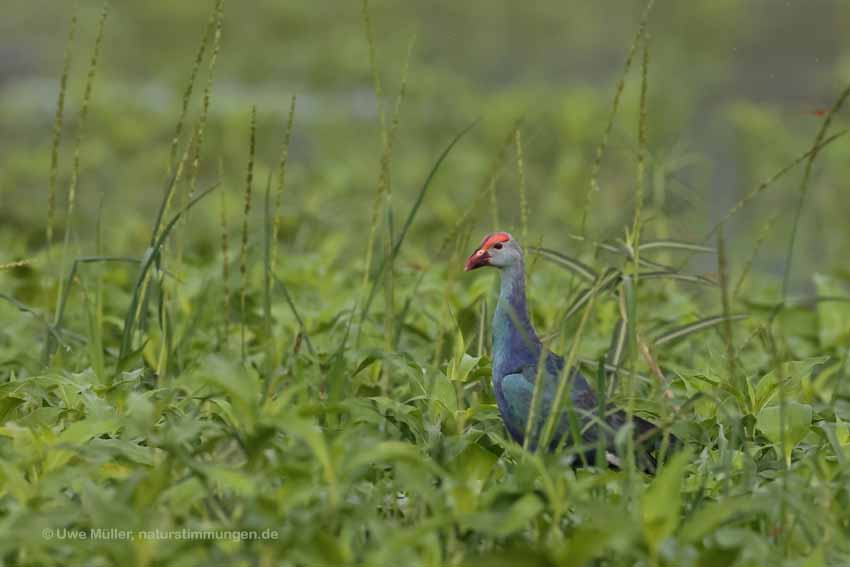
x,y
232,297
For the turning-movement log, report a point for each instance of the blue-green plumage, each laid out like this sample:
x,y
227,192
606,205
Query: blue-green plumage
x,y
517,353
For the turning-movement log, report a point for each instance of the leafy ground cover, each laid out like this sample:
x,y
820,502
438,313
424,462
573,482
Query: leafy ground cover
x,y
249,319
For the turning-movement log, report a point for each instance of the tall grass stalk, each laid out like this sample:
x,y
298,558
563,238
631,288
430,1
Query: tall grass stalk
x,y
96,322
561,400
225,256
804,187
271,350
536,397
408,222
764,185
729,339
190,86
762,236
640,174
482,326
523,198
373,64
58,124
151,258
379,106
627,298
75,169
157,235
385,187
281,183
593,186
166,335
493,174
84,112
214,27
738,382
494,204
629,312
246,210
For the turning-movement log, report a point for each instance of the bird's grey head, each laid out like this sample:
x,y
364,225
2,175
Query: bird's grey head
x,y
498,249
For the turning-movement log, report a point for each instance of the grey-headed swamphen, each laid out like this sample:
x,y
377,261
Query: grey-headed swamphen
x,y
516,354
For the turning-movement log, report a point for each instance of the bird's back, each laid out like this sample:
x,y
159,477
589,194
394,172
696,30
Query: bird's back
x,y
514,392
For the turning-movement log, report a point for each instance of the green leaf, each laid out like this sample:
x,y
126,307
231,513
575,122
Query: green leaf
x,y
466,364
798,420
709,517
605,529
842,432
662,501
789,373
231,480
503,522
394,452
470,470
84,430
444,392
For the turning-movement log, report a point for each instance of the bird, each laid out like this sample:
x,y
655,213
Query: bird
x,y
516,353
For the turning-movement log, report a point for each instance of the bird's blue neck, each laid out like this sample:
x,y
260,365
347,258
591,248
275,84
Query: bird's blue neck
x,y
515,343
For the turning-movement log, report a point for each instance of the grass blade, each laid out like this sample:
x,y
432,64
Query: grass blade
x,y
593,186
148,260
804,186
692,278
243,250
570,264
58,123
289,301
523,199
607,282
411,216
685,330
281,181
675,245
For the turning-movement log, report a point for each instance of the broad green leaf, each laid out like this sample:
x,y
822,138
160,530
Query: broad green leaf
x,y
231,480
471,469
81,431
182,496
119,448
394,452
12,481
604,528
504,522
798,419
140,412
662,501
791,373
444,392
460,371
710,516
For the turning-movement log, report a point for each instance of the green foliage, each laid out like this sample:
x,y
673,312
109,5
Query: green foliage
x,y
341,427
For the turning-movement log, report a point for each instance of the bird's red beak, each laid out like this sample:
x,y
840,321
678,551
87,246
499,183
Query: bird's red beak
x,y
479,258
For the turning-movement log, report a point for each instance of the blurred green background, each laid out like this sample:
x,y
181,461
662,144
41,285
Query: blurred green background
x,y
734,89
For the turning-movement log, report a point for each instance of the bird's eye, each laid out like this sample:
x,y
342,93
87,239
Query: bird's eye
x,y
497,246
